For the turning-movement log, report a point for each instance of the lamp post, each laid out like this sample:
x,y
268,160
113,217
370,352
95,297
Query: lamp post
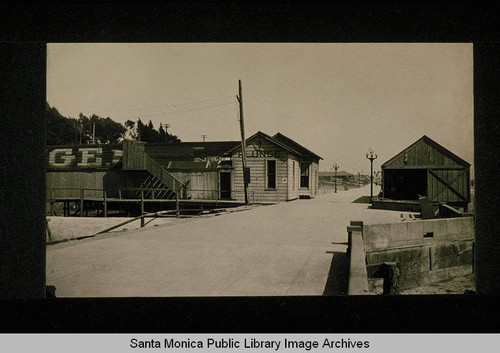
x,y
335,166
371,155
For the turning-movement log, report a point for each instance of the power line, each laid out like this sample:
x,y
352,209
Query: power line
x,y
163,106
177,111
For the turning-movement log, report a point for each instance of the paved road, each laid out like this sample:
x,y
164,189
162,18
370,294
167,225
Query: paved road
x,y
292,248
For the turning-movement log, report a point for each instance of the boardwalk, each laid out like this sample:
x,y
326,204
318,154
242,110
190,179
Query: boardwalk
x,y
292,248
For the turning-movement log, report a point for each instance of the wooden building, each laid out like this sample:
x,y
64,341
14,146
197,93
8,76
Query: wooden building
x,y
426,168
280,170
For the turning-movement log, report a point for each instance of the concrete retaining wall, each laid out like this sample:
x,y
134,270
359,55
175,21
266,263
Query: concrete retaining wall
x,y
358,279
395,205
424,250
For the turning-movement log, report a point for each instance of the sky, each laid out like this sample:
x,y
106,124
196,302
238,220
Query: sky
x,y
337,100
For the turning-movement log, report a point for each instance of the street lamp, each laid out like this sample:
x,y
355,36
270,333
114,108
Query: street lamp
x,y
371,155
335,166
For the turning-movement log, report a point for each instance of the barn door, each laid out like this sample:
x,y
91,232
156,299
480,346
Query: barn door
x,y
446,185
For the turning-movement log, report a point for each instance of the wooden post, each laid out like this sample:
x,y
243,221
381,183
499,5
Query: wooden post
x,y
218,186
142,208
391,275
81,202
105,205
120,193
176,200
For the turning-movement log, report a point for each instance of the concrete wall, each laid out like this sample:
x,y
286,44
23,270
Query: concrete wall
x,y
358,278
424,250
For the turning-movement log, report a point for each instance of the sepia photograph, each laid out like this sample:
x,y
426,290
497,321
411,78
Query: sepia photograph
x,y
259,169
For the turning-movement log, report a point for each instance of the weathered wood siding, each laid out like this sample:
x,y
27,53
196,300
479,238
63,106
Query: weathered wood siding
x,y
200,185
83,157
455,179
448,177
311,190
314,179
133,155
293,177
422,155
257,191
68,184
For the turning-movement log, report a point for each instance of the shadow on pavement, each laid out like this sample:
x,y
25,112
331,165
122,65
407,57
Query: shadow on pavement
x,y
338,276
362,199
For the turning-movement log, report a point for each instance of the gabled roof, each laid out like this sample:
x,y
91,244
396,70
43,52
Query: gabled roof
x,y
270,139
288,141
434,145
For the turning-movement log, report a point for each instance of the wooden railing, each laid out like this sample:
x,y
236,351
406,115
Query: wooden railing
x,y
163,175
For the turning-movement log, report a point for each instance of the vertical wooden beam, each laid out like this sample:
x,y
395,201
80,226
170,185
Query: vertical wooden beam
x,y
142,208
81,202
176,200
105,204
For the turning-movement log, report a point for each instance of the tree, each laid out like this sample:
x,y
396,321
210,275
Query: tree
x,y
106,130
60,130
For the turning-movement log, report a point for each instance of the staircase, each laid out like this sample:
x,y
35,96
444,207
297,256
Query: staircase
x,y
152,188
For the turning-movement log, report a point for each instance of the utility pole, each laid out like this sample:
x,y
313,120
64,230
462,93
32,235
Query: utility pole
x,y
166,128
203,136
246,172
93,133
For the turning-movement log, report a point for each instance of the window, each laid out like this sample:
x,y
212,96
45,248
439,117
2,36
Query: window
x,y
293,174
271,174
304,175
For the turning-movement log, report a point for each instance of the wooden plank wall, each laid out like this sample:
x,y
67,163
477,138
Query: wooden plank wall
x,y
314,180
423,155
293,183
201,185
437,191
257,188
78,180
133,155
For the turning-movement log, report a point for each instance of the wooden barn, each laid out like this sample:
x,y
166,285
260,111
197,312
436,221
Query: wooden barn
x,y
426,168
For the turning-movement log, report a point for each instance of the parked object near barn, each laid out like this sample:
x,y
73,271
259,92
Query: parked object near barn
x,y
426,168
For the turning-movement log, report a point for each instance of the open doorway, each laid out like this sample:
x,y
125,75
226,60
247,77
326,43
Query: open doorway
x,y
225,185
405,184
